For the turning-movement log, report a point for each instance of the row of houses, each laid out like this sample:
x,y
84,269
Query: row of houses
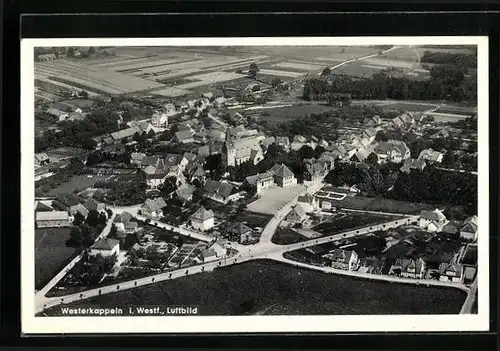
x,y
62,209
436,221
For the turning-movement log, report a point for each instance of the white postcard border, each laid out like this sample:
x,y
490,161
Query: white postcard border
x,y
228,324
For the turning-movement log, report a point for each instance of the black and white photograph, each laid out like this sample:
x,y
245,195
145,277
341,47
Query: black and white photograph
x,y
322,184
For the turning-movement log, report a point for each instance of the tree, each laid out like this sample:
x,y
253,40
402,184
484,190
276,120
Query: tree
x,y
83,94
326,72
306,152
168,186
109,212
93,218
78,219
372,158
113,231
88,234
151,134
102,219
253,70
276,82
75,238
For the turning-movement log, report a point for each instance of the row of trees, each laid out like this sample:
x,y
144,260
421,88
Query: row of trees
x,y
130,190
450,58
85,230
445,83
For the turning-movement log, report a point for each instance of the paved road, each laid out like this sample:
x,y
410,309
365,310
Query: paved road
x,y
363,58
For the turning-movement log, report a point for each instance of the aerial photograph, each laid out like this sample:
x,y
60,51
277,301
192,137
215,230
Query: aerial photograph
x,y
256,180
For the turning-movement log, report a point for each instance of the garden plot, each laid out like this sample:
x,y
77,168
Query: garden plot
x,y
300,66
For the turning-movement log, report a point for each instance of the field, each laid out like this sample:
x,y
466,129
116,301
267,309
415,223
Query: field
x,y
76,184
92,77
286,113
349,221
409,106
51,253
270,288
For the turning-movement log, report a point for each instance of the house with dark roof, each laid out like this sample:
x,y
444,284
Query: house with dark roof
x,y
219,191
197,173
105,247
283,176
408,268
308,202
394,151
67,202
153,208
347,260
369,134
242,232
184,137
432,221
93,205
297,214
202,219
315,171
451,272
124,224
125,134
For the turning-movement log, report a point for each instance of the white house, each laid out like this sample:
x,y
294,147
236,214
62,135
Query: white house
x,y
153,207
469,229
261,181
308,202
432,221
159,120
431,156
202,219
52,219
105,247
343,259
451,272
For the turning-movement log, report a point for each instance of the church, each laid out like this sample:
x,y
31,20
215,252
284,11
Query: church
x,y
237,151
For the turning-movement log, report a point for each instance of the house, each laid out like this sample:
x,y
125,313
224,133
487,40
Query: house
x,y
93,205
218,191
216,134
105,247
432,221
170,109
115,149
267,142
412,268
201,137
329,159
153,207
143,126
394,151
60,114
136,158
42,207
469,229
185,192
411,163
369,134
215,252
283,142
323,143
52,219
300,139
261,181
242,232
451,272
315,171
431,156
76,116
159,120
67,202
42,159
308,202
46,57
219,101
184,137
338,151
126,134
451,228
347,260
124,224
372,121
202,219
283,176
326,205
197,173
155,176
237,151
208,95
296,215
404,120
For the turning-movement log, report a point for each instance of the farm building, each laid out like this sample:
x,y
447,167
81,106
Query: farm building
x,y
52,219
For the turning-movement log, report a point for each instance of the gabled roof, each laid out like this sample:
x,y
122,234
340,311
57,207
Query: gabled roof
x,y
298,210
41,157
41,207
123,217
252,180
455,269
341,255
429,154
315,168
105,244
435,215
213,187
202,214
306,198
299,139
183,135
52,216
154,205
185,192
469,228
173,159
370,132
68,199
282,141
411,163
281,170
190,157
240,228
91,204
125,133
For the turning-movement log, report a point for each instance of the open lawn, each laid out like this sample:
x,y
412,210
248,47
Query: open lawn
x,y
76,184
285,113
272,200
408,106
253,220
51,253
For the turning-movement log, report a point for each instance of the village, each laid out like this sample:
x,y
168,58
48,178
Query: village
x,y
207,181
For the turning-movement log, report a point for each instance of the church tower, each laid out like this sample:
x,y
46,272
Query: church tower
x,y
230,151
